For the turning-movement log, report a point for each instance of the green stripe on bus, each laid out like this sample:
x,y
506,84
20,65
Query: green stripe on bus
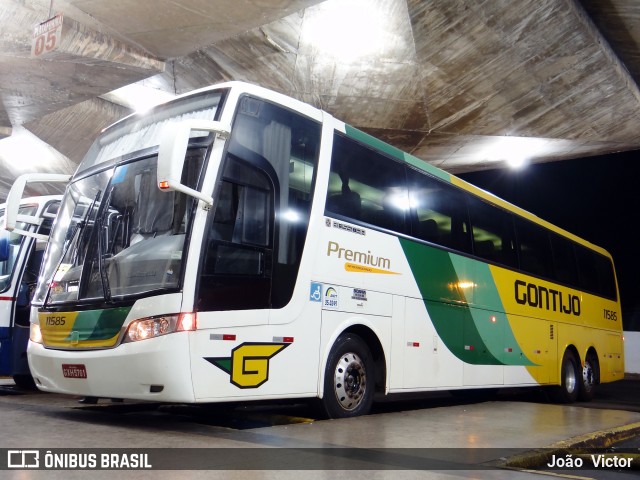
x,y
99,324
493,325
446,304
395,152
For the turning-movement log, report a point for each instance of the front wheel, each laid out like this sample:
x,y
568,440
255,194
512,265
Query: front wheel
x,y
348,379
567,391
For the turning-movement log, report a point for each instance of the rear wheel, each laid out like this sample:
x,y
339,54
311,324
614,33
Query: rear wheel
x,y
589,379
349,378
567,391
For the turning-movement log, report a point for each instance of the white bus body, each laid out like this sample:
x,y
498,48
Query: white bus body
x,y
236,244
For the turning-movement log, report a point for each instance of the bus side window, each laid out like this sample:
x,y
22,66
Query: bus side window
x,y
564,260
534,249
365,185
493,233
440,212
595,273
342,196
345,202
428,230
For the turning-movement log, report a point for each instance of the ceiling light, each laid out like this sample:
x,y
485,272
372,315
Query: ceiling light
x,y
25,152
514,151
347,29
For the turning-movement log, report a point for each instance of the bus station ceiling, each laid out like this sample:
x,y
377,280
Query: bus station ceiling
x,y
462,84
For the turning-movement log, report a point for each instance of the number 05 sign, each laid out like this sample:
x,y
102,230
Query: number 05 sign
x,y
46,36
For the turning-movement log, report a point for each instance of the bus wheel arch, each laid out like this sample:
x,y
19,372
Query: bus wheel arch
x,y
377,352
570,375
25,382
354,370
590,376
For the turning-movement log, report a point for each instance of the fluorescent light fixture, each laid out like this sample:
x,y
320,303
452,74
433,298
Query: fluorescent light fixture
x,y
347,29
514,151
25,152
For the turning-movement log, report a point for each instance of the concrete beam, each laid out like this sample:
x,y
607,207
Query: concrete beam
x,y
80,44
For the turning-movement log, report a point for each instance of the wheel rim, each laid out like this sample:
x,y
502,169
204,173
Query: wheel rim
x,y
570,378
587,376
350,380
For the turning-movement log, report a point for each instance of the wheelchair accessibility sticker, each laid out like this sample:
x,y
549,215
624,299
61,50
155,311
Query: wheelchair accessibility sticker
x,y
248,366
315,294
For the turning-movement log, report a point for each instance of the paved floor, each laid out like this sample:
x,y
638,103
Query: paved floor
x,y
433,436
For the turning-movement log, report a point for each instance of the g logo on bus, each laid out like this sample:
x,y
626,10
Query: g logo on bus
x,y
248,365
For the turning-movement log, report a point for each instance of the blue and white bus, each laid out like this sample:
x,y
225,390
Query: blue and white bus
x,y
21,254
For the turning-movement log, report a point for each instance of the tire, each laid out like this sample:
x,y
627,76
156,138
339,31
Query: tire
x,y
25,382
567,391
349,379
588,379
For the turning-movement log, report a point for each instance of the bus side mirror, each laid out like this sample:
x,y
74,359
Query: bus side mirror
x,y
4,245
173,150
12,206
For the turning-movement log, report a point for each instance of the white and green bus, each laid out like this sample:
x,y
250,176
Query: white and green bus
x,y
235,244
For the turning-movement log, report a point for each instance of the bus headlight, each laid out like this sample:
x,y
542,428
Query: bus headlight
x,y
35,335
156,326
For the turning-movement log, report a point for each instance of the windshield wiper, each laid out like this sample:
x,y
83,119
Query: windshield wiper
x,y
72,241
104,278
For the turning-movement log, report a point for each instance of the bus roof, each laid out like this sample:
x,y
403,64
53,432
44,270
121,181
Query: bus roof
x,y
381,145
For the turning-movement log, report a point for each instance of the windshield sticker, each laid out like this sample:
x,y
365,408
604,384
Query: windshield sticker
x,y
120,175
62,269
248,365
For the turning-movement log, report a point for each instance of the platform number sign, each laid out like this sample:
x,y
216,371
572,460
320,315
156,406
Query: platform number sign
x,y
46,36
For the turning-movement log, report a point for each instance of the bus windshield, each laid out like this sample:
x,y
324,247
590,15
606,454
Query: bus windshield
x,y
118,235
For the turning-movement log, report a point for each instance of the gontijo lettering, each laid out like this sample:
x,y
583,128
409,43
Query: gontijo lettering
x,y
546,298
366,258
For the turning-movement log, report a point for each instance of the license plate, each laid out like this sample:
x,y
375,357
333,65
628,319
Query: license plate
x,y
74,370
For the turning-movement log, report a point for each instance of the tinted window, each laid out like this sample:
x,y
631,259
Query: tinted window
x,y
534,248
261,209
242,221
367,186
493,235
441,212
564,260
595,272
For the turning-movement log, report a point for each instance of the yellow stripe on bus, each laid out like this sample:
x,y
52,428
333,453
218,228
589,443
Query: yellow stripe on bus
x,y
354,267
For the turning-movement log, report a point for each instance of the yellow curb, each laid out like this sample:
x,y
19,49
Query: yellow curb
x,y
600,439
